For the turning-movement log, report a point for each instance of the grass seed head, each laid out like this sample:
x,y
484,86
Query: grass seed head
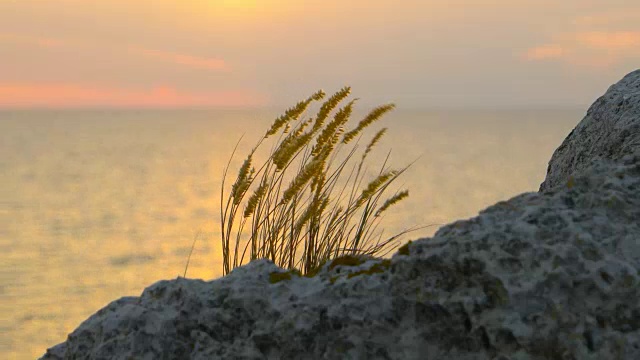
x,y
293,113
253,200
326,137
374,141
243,180
288,148
374,186
300,181
391,201
329,105
374,115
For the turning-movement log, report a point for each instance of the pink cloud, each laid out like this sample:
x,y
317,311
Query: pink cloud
x,y
607,18
620,40
591,49
30,95
183,59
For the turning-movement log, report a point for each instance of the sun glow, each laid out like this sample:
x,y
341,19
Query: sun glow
x,y
230,6
221,15
237,4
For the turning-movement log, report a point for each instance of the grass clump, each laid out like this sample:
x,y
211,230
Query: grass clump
x,y
299,211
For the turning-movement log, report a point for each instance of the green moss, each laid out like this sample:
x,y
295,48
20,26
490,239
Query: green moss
x,y
615,202
296,272
377,268
496,292
276,276
314,271
619,346
157,293
346,260
557,311
592,254
576,336
404,249
628,281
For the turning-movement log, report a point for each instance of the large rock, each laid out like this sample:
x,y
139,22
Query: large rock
x,y
611,130
544,275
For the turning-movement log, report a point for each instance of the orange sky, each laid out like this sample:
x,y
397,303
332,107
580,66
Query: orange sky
x,y
417,53
25,95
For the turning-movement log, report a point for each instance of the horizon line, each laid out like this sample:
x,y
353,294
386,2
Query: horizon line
x,y
284,107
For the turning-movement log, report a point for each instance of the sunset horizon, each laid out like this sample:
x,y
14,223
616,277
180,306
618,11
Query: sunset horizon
x,y
319,179
204,54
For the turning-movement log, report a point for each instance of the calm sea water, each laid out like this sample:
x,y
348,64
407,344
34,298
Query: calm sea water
x,y
96,205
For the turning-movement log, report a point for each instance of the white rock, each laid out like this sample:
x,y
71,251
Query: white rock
x,y
611,130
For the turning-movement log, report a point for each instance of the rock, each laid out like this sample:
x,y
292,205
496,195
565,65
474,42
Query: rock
x,y
611,130
543,275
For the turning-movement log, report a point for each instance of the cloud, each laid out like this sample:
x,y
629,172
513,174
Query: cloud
x,y
39,41
599,49
610,41
37,95
610,18
544,52
163,56
183,59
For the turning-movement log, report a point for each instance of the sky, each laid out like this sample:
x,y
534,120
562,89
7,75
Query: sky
x,y
224,53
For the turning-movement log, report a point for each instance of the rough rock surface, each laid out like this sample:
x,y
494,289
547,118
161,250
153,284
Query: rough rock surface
x,y
544,275
611,130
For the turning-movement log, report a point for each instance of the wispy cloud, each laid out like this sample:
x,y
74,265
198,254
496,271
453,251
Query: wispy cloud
x,y
600,49
39,41
610,41
545,52
612,17
183,59
65,94
36,95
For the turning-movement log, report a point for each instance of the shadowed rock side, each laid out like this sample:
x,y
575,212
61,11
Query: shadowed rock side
x,y
611,130
544,275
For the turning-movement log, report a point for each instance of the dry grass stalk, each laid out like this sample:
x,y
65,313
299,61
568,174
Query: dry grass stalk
x,y
313,218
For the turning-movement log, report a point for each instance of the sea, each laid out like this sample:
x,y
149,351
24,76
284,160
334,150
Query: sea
x,y
99,204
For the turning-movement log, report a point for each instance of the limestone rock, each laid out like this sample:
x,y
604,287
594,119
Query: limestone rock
x,y
543,275
611,130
